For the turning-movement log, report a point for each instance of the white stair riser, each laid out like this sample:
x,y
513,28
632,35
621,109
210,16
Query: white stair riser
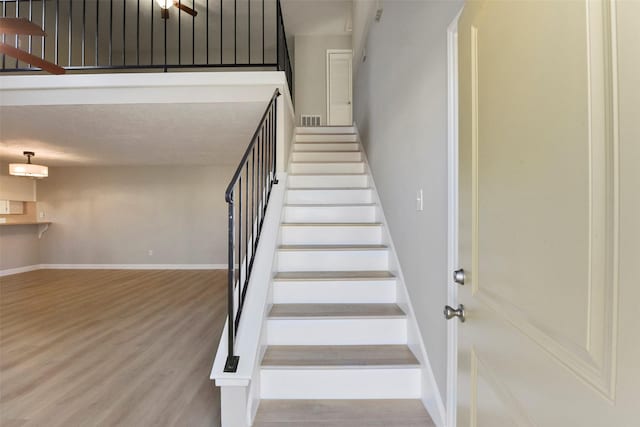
x,y
338,235
326,146
343,331
338,292
303,130
328,167
339,260
326,156
345,196
363,383
322,181
329,214
347,137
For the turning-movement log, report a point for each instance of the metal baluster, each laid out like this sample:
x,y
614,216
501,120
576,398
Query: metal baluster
x,y
221,59
138,33
124,32
207,31
30,19
152,35
55,53
42,42
4,13
229,366
97,28
17,36
84,31
179,33
235,32
111,32
239,246
246,232
263,31
193,38
249,30
253,199
70,28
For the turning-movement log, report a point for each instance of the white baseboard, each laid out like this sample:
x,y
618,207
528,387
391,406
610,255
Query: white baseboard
x,y
25,269
18,270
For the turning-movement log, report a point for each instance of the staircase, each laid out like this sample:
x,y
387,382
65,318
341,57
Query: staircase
x,y
336,340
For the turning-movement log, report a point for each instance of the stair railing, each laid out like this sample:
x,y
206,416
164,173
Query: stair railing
x,y
92,35
247,198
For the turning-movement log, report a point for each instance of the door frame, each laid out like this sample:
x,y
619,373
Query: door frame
x,y
452,223
329,52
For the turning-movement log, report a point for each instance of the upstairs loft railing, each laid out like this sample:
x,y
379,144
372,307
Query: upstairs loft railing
x,y
247,198
91,35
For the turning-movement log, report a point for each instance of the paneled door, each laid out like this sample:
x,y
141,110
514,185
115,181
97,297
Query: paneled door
x,y
549,219
339,91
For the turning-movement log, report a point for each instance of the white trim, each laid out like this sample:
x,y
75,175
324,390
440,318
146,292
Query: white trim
x,y
452,226
34,267
18,270
431,396
329,52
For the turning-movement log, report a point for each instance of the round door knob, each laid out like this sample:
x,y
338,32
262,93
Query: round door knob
x,y
450,312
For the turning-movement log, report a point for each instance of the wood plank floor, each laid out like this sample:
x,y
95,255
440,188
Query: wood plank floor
x,y
110,347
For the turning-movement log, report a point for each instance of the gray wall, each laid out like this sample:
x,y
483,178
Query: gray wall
x,y
18,246
115,215
311,72
401,112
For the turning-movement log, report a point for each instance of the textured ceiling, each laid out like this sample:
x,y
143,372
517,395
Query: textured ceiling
x,y
149,134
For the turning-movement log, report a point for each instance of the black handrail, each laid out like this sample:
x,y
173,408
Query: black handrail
x,y
244,236
131,35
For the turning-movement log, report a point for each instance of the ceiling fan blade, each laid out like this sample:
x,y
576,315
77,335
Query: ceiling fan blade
x,y
184,8
36,61
20,26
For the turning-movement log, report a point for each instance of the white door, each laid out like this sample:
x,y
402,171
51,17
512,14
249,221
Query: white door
x,y
339,93
549,214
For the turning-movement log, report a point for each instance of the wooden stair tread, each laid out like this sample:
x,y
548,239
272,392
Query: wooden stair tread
x,y
333,275
326,162
349,247
339,355
330,174
335,310
331,224
343,413
315,205
328,188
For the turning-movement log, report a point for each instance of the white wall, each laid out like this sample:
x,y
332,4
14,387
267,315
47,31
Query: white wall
x,y
311,72
115,215
401,112
362,14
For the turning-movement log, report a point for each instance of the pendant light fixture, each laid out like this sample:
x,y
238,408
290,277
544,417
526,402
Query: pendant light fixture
x,y
28,169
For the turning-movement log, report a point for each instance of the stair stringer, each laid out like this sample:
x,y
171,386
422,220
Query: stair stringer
x,y
431,397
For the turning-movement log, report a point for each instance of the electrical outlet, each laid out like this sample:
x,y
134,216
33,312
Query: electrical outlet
x,y
150,252
419,201
41,214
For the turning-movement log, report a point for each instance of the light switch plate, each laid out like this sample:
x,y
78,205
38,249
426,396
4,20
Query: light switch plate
x,y
419,201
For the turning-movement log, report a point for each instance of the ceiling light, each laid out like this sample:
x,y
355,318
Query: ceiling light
x,y
28,169
165,4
